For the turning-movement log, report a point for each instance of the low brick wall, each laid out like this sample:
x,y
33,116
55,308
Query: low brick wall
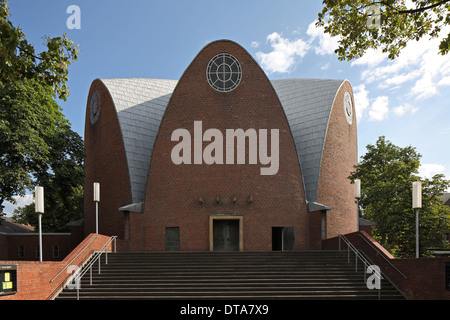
x,y
417,279
34,277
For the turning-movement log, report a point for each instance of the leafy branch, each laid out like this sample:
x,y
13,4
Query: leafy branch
x,y
348,20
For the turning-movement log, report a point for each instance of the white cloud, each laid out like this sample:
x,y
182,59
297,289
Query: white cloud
x,y
404,108
428,170
327,44
444,81
25,200
287,53
371,58
445,131
418,63
361,100
379,110
325,66
400,79
255,44
20,202
425,87
284,55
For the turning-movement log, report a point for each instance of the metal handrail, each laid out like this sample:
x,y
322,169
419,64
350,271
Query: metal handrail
x,y
356,251
70,262
358,255
382,255
93,260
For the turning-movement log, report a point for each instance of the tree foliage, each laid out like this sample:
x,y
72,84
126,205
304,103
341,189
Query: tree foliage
x,y
37,145
387,172
19,60
62,178
28,117
398,24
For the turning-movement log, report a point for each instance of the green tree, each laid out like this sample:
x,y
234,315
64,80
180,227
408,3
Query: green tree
x,y
387,172
19,60
62,178
348,19
29,116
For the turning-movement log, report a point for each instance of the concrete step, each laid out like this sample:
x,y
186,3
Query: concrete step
x,y
227,275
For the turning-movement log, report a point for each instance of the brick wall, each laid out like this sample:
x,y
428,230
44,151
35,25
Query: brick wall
x,y
34,277
105,163
30,241
3,246
173,190
338,160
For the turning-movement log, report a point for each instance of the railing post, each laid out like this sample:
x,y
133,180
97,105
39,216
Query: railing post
x,y
365,273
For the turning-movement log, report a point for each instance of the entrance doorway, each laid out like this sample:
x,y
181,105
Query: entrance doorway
x,y
225,233
283,239
172,239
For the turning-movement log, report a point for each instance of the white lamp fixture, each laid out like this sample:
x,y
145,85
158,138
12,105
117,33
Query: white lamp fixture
x,y
96,200
417,194
39,199
417,204
39,209
357,196
96,192
357,188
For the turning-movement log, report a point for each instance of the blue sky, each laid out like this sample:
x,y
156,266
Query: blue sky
x,y
406,100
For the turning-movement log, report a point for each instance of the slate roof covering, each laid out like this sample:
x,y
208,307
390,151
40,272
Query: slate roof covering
x,y
141,103
8,226
140,106
307,104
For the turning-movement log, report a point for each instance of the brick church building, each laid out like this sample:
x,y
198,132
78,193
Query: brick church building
x,y
221,159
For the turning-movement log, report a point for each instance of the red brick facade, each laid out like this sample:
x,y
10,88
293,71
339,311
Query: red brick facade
x,y
25,246
173,191
106,164
339,157
41,281
193,197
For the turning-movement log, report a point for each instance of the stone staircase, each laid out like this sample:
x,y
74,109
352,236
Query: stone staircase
x,y
228,275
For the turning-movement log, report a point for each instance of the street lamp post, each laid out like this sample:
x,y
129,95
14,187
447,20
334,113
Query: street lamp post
x,y
357,196
96,200
39,209
417,204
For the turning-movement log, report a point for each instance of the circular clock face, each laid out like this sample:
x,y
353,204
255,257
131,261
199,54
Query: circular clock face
x,y
94,107
224,72
348,108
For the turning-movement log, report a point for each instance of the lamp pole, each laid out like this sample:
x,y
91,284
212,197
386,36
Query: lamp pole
x,y
96,200
417,204
39,209
357,196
